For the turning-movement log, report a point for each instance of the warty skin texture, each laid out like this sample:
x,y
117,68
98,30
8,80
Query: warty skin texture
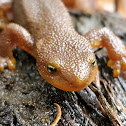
x,y
71,58
43,28
57,43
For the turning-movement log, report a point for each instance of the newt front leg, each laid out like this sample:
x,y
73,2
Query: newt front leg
x,y
13,35
115,48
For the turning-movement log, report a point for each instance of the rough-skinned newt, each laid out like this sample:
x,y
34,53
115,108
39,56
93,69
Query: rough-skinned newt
x,y
64,58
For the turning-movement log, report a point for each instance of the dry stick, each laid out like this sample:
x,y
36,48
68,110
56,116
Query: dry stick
x,y
58,115
106,106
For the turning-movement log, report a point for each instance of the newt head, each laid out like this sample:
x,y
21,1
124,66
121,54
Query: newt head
x,y
69,65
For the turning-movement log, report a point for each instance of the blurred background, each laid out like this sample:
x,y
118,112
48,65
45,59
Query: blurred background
x,y
91,6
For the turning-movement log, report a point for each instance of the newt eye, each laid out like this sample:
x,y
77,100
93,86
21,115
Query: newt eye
x,y
51,69
93,63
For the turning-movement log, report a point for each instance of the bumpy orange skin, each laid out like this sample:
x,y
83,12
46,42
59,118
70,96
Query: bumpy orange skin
x,y
44,29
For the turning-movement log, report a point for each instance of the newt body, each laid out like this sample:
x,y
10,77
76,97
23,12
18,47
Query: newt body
x,y
65,59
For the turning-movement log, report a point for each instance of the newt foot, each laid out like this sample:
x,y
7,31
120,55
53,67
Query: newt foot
x,y
3,24
117,66
3,20
6,61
